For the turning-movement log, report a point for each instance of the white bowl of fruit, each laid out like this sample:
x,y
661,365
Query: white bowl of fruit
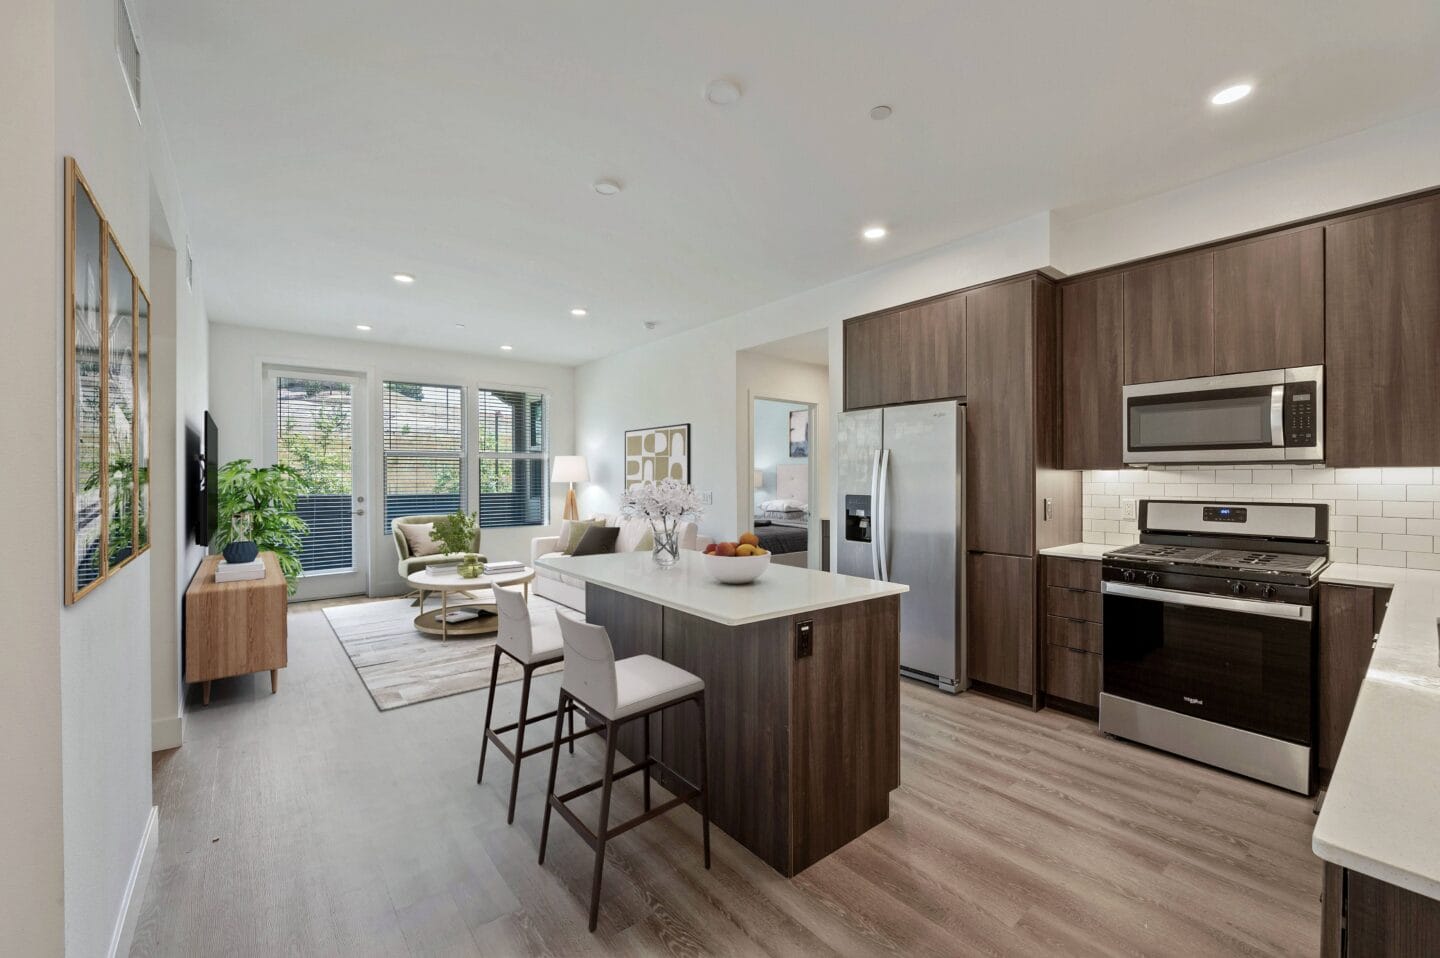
x,y
736,563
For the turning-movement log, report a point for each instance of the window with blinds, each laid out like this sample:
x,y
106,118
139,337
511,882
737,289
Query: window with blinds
x,y
313,425
513,449
424,450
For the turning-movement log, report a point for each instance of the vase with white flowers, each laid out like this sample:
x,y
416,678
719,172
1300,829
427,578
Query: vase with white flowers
x,y
665,504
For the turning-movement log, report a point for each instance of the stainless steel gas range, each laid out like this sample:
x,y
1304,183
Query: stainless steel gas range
x,y
1209,635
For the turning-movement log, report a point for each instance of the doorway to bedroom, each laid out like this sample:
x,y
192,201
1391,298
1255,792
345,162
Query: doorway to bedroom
x,y
783,478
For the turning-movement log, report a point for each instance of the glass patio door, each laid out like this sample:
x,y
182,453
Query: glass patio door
x,y
317,427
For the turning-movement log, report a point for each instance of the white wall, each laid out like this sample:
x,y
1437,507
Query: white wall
x,y
237,397
693,376
1387,160
32,917
105,638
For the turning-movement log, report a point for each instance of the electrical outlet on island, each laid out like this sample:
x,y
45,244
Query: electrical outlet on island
x,y
707,498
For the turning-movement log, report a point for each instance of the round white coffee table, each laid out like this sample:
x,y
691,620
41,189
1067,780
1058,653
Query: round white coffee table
x,y
486,623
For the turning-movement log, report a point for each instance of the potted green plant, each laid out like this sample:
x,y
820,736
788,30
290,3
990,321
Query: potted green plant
x,y
457,534
257,505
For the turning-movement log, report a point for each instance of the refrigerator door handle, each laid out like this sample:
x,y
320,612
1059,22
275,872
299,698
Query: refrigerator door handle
x,y
882,512
875,515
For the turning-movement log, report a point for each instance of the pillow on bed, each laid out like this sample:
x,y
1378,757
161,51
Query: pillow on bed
x,y
783,505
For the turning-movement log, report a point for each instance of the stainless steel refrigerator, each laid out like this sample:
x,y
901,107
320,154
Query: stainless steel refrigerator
x,y
901,475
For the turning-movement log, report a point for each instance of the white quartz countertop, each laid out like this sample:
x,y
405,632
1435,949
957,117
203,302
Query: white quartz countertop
x,y
1381,815
783,590
1078,550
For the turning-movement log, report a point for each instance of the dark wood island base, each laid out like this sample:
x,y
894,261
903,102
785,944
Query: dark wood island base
x,y
804,731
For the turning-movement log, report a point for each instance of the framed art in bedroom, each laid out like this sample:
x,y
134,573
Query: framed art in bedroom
x,y
660,452
799,434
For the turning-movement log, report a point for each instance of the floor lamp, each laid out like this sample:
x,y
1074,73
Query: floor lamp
x,y
571,469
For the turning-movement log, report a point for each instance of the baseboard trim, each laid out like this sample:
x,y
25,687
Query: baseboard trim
x,y
140,870
167,733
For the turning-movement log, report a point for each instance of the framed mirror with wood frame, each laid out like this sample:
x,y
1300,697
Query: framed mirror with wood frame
x,y
107,397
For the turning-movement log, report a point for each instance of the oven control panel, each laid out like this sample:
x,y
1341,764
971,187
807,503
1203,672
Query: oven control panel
x,y
1225,514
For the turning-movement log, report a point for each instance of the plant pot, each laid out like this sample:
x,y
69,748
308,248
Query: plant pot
x,y
241,552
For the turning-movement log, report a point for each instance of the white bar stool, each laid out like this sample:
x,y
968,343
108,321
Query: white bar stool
x,y
613,693
532,643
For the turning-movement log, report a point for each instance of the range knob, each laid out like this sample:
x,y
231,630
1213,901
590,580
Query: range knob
x,y
1128,575
1152,578
1237,588
1267,591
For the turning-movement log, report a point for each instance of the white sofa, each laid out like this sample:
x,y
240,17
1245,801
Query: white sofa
x,y
570,591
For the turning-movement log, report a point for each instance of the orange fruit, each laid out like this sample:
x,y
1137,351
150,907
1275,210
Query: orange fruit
x,y
749,539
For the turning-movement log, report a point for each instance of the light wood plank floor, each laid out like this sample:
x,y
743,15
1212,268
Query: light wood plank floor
x,y
308,823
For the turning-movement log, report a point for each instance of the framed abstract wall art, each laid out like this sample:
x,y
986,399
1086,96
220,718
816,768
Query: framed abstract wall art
x,y
662,452
107,397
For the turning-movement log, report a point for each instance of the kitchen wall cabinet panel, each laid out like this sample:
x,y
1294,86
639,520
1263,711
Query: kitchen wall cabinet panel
x,y
912,354
1169,319
1092,360
1000,419
1382,332
1270,302
1000,603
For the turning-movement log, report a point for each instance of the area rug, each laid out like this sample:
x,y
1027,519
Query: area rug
x,y
401,666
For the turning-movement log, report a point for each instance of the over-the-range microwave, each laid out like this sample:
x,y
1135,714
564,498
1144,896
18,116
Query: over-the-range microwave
x,y
1277,415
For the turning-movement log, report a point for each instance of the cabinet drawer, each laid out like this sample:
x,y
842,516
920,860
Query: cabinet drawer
x,y
1073,634
1073,604
1072,573
1072,675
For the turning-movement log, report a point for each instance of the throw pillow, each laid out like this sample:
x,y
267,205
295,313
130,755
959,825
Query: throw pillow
x,y
417,537
571,531
597,540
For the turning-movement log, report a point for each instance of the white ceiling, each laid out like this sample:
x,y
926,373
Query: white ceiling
x,y
323,145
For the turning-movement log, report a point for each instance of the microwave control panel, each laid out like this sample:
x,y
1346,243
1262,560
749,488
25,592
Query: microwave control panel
x,y
1300,414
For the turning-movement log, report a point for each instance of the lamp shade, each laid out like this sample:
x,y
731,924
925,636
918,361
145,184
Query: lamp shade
x,y
570,469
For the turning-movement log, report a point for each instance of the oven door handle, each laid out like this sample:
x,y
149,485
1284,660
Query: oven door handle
x,y
1276,610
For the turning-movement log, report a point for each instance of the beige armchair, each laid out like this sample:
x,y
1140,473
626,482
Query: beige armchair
x,y
410,564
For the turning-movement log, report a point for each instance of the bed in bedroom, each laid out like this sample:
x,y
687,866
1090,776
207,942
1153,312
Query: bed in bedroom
x,y
782,524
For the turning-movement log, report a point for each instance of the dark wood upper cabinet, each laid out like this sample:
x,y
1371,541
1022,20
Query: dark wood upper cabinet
x,y
1270,302
912,354
1091,351
1000,618
1169,319
1000,418
1382,334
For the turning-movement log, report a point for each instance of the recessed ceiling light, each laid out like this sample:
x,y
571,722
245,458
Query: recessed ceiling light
x,y
607,187
875,232
722,92
459,325
579,311
362,327
507,348
404,279
1232,93
880,112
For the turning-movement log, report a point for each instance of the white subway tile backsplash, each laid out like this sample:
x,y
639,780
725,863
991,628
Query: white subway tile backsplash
x,y
1409,543
1381,557
1423,476
1408,510
1387,516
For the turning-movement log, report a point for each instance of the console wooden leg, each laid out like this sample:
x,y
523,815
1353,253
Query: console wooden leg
x,y
274,681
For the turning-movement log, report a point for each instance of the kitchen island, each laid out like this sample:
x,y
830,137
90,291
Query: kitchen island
x,y
802,687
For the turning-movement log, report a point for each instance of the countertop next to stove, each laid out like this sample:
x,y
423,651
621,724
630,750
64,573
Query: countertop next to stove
x,y
1078,550
1382,808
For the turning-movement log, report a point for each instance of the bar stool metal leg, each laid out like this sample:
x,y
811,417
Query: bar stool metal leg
x,y
489,711
519,742
704,777
566,704
646,722
602,832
